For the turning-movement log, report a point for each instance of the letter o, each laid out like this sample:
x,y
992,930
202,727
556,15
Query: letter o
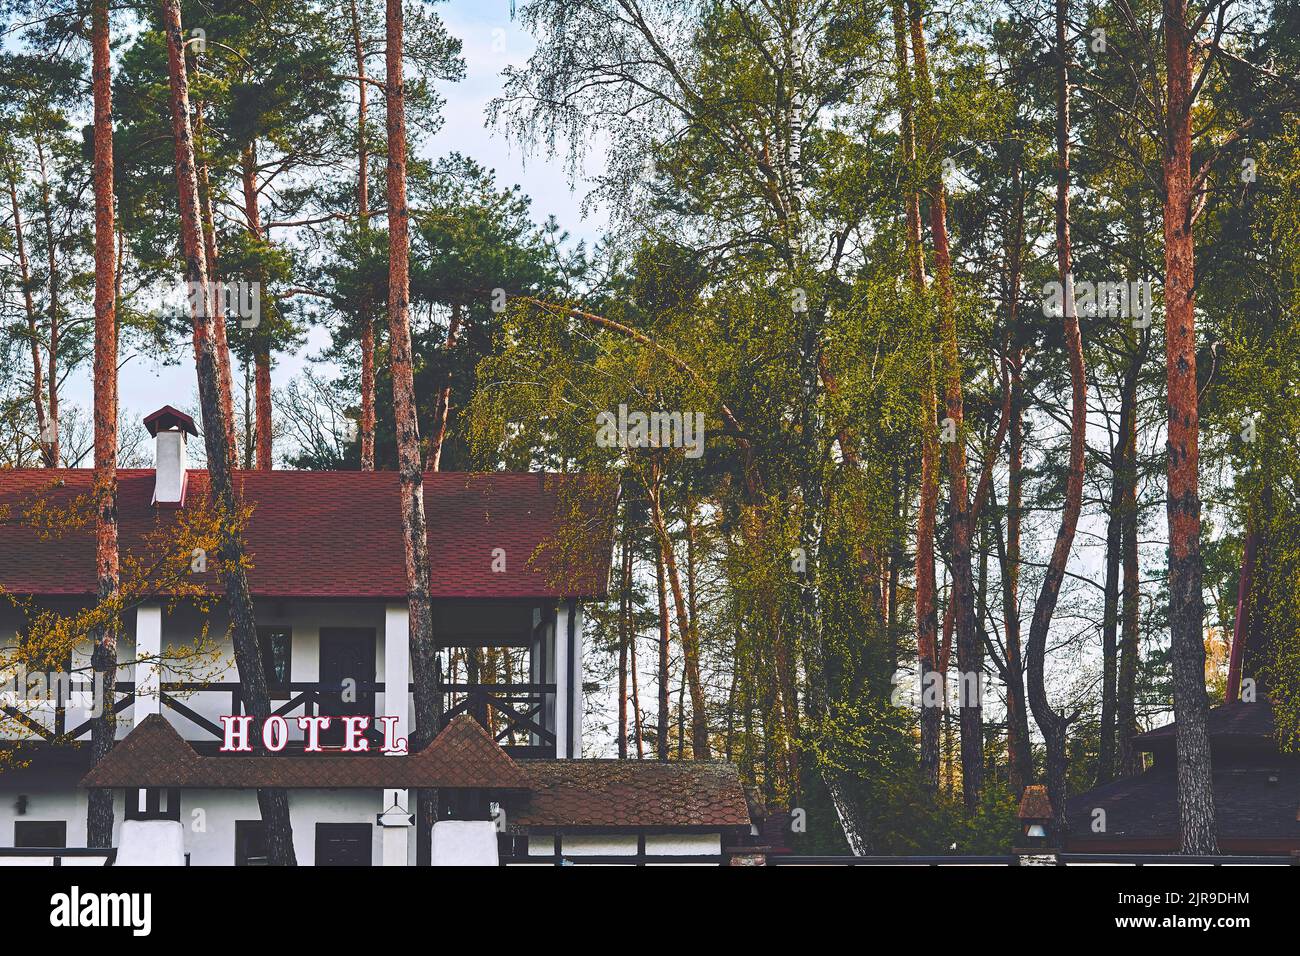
x,y
275,733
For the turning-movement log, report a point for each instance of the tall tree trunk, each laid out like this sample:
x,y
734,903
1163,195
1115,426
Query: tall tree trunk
x,y
661,585
1186,602
250,439
1127,756
1110,591
262,407
1054,726
1241,624
225,374
970,651
262,347
687,633
366,429
443,410
1020,757
367,422
33,334
51,438
637,729
624,639
273,802
424,652
927,509
99,812
1019,744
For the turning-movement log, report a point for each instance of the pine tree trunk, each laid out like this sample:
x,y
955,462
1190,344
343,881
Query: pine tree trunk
x,y
927,509
51,438
424,652
637,729
662,587
1196,807
24,272
624,639
1127,757
99,814
443,410
1110,607
1054,726
273,803
367,422
687,634
970,651
1020,755
218,313
262,349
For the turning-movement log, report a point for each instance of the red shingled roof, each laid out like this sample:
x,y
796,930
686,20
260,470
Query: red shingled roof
x,y
336,534
641,794
154,755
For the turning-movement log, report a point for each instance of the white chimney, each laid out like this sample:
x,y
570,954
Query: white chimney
x,y
169,467
170,429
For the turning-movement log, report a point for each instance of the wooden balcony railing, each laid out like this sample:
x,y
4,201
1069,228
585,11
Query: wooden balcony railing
x,y
515,714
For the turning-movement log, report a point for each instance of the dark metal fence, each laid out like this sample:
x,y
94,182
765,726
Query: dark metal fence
x,y
56,854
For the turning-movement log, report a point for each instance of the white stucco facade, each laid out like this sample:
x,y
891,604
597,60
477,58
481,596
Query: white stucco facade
x,y
159,650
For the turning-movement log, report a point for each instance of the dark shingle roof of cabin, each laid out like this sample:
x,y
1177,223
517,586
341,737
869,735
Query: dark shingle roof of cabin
x,y
1245,722
334,534
1256,802
1256,790
155,755
631,793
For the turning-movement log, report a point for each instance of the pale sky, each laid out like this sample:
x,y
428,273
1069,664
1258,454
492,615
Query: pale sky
x,y
492,41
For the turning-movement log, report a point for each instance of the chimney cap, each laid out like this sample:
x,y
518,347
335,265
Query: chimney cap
x,y
168,419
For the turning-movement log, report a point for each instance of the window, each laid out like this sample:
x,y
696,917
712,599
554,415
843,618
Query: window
x,y
276,644
40,833
250,843
343,844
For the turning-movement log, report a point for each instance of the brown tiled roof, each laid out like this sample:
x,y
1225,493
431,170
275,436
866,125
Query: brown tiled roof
x,y
568,794
630,793
155,755
466,754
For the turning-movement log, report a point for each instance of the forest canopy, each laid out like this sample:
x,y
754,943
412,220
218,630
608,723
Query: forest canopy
x,y
947,356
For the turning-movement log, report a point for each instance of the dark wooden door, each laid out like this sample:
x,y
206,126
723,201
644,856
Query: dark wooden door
x,y
347,677
343,844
